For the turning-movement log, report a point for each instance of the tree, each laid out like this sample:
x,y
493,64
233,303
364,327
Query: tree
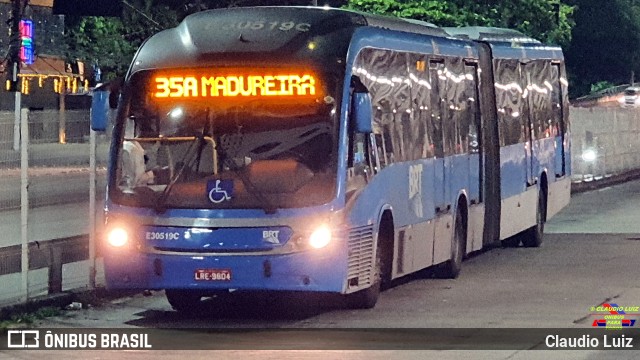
x,y
599,86
605,45
111,42
547,20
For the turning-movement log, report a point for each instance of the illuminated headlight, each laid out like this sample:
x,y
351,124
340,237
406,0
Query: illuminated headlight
x,y
117,237
320,238
589,155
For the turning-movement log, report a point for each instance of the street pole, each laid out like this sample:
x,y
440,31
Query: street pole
x,y
14,63
20,139
24,205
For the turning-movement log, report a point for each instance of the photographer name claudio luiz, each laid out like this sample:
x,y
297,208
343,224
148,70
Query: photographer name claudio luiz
x,y
588,341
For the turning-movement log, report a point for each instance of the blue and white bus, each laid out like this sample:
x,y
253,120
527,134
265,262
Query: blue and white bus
x,y
326,150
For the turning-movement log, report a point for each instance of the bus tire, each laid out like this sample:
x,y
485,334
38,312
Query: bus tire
x,y
532,237
451,269
184,301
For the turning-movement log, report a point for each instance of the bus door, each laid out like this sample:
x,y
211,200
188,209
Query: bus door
x,y
459,88
473,132
530,148
558,127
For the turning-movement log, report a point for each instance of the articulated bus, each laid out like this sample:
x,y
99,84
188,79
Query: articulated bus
x,y
325,150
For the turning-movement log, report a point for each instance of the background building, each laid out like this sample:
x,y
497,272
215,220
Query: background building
x,y
44,82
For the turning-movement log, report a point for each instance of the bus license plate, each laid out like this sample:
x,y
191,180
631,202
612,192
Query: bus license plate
x,y
213,275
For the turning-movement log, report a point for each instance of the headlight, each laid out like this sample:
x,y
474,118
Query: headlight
x,y
320,238
117,237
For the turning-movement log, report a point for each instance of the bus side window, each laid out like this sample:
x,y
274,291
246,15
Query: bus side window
x,y
436,68
359,160
420,132
509,101
374,153
556,101
385,147
471,105
386,100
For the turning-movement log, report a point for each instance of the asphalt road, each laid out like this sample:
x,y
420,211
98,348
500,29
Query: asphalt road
x,y
49,186
589,257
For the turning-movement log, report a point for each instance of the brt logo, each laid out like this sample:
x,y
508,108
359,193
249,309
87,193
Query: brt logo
x,y
271,236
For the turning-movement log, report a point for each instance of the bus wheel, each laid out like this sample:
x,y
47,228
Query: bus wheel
x,y
533,236
451,269
183,301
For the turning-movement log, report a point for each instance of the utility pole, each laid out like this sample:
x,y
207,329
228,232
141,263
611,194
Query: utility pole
x,y
14,44
14,65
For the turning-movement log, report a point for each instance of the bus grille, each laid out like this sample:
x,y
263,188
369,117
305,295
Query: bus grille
x,y
361,254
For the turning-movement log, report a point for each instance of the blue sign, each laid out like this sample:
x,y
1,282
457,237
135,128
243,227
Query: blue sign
x,y
219,190
99,110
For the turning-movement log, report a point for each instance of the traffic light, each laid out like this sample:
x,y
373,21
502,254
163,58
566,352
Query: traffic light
x,y
88,8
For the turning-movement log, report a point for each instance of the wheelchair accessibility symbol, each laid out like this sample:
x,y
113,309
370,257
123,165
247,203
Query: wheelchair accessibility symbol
x,y
219,190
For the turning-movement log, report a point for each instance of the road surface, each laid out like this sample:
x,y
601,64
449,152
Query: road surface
x,y
589,257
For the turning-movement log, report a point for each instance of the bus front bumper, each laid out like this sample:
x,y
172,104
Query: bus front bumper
x,y
314,270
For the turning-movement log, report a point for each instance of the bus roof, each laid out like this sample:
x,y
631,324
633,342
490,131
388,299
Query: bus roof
x,y
281,33
489,34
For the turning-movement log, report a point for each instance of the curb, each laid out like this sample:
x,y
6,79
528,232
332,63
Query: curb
x,y
582,186
61,300
53,300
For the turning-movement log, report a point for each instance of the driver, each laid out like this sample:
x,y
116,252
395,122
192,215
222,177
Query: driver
x,y
134,165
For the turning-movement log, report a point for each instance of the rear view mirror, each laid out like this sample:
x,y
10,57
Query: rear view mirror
x,y
99,110
362,112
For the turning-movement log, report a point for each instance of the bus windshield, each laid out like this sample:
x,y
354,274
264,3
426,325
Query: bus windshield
x,y
235,142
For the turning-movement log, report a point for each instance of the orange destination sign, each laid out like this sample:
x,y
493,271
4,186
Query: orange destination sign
x,y
279,85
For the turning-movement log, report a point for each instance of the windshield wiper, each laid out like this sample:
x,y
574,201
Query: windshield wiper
x,y
250,186
186,161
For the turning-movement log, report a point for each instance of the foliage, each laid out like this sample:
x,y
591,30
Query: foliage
x,y
605,45
547,20
599,86
601,40
111,42
28,318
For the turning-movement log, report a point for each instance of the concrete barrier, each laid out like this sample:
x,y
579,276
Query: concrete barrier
x,y
612,134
